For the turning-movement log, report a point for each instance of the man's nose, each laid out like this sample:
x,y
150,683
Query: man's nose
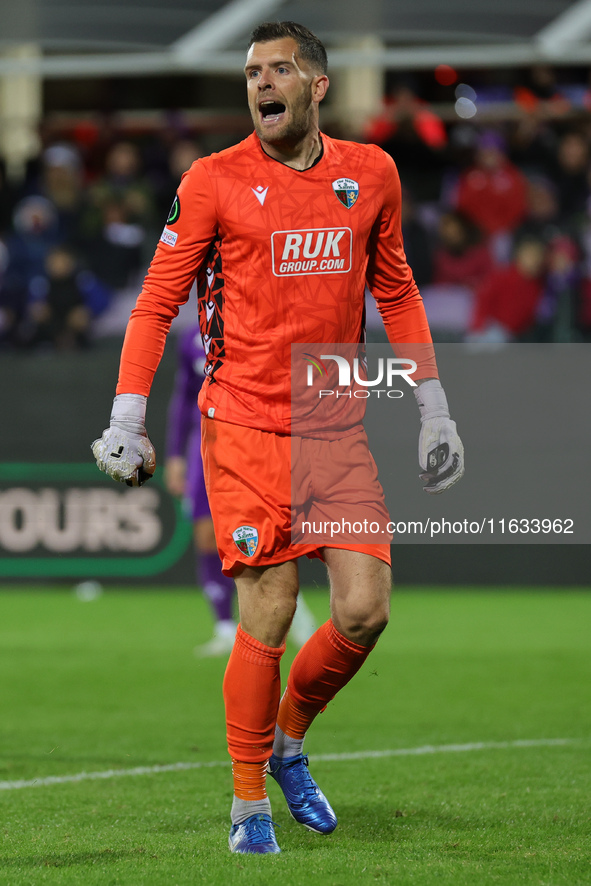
x,y
264,81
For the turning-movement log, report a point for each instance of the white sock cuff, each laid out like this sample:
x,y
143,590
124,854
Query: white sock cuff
x,y
285,746
243,809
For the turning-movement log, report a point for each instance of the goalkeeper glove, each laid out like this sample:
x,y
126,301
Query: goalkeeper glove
x,y
441,453
124,452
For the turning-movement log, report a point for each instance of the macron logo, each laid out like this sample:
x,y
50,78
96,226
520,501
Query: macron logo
x,y
260,193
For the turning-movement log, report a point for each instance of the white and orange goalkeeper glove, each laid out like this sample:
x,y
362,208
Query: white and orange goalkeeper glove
x,y
124,451
441,453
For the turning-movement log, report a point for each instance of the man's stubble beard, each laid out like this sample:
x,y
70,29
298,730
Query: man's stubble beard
x,y
294,131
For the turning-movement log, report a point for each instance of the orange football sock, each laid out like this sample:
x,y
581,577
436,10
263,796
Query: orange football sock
x,y
323,665
293,720
252,687
249,780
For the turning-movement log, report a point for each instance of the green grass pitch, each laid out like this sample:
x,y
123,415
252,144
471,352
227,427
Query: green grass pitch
x,y
112,685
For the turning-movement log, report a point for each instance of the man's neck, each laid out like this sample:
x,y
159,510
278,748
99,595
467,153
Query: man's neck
x,y
300,156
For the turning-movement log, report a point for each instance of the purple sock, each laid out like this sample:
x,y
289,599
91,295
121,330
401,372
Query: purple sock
x,y
217,587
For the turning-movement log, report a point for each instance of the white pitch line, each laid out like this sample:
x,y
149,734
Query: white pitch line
x,y
448,749
106,773
318,758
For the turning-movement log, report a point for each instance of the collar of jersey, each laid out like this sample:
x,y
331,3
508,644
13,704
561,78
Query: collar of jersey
x,y
307,169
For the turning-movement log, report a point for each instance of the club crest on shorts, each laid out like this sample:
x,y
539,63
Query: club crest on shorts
x,y
347,191
246,539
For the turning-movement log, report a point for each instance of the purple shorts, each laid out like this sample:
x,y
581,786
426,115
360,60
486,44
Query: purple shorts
x,y
195,504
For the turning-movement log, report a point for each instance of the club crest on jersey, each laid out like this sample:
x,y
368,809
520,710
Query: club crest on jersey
x,y
246,539
347,191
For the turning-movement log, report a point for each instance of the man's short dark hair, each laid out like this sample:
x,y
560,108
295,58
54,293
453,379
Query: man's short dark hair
x,y
310,47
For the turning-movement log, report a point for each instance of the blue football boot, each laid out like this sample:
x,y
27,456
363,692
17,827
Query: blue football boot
x,y
305,800
254,835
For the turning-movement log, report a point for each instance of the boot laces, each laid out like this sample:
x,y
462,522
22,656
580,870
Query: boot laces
x,y
260,829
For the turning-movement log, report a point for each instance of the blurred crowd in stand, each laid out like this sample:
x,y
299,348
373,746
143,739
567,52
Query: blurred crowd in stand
x,y
496,221
75,243
497,218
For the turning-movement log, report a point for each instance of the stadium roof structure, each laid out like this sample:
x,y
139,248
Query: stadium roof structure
x,y
75,38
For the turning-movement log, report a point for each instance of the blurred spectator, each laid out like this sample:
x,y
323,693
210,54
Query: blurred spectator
x,y
417,243
415,137
585,243
182,155
93,139
507,302
403,107
584,312
61,182
570,174
533,144
35,232
115,251
492,193
59,315
542,211
539,95
558,311
463,139
124,182
460,257
461,262
122,222
7,199
7,318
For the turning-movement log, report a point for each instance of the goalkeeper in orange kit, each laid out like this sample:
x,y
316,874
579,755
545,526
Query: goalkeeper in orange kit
x,y
283,232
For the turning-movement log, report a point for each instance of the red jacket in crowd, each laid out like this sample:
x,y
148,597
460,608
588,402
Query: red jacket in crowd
x,y
510,298
495,199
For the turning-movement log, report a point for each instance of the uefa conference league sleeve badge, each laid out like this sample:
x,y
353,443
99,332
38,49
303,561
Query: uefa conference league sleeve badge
x,y
167,236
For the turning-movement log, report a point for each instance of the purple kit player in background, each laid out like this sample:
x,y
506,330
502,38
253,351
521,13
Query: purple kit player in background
x,y
183,472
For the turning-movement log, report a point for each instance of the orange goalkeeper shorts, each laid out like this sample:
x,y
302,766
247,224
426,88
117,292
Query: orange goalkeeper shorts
x,y
251,486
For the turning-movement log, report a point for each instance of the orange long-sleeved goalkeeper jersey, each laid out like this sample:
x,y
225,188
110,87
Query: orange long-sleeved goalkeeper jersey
x,y
281,256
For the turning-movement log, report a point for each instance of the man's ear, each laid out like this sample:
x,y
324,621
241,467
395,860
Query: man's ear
x,y
320,86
